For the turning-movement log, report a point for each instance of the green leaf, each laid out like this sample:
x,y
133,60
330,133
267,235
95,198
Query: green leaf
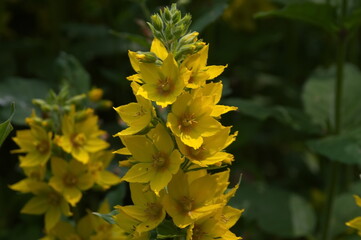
x,y
353,21
292,117
6,127
317,14
167,229
210,16
278,212
345,148
318,97
21,91
72,73
107,217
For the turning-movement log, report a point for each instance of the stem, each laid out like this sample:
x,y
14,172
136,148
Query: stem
x,y
334,166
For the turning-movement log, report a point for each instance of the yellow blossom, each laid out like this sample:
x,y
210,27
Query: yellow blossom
x,y
147,208
127,228
136,115
34,175
95,94
47,201
162,84
196,63
191,119
210,152
36,143
97,165
190,197
356,222
155,157
70,178
81,137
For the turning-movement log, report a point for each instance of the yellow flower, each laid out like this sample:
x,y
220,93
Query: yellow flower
x,y
81,137
215,226
356,222
97,165
127,228
190,197
155,157
36,143
34,175
70,179
214,91
147,208
191,119
210,152
136,115
47,201
200,72
162,84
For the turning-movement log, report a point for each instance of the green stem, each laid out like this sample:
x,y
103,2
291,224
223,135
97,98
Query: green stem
x,y
335,166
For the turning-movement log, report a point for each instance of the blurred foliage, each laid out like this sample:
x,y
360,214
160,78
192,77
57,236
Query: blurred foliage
x,y
281,71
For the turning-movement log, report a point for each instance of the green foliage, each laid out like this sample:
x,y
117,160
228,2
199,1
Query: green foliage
x,y
108,217
167,229
6,127
317,14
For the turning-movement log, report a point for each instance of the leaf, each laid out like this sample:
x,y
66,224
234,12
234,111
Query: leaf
x,y
6,127
318,97
210,16
292,117
345,148
107,217
353,21
294,216
317,14
167,229
72,72
21,91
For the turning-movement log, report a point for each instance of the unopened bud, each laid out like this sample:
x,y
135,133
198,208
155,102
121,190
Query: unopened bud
x,y
167,14
189,38
146,57
95,94
157,22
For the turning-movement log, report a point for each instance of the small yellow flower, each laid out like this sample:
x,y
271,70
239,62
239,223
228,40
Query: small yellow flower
x,y
155,157
147,208
81,137
190,197
34,175
356,222
191,119
97,165
70,179
210,152
36,143
162,84
49,202
136,115
196,63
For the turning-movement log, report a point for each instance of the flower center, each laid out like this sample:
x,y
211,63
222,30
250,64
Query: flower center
x,y
198,233
35,175
54,199
78,139
165,86
141,112
70,180
153,211
187,121
186,204
160,160
197,154
43,147
95,167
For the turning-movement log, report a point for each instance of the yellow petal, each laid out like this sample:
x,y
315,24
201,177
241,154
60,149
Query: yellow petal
x,y
158,48
214,71
72,195
140,172
133,60
36,205
52,217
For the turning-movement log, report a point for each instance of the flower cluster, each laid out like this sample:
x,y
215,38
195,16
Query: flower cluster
x,y
173,137
63,155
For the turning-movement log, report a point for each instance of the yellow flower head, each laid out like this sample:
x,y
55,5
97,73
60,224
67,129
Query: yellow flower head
x,y
49,202
98,162
70,178
210,152
155,157
191,119
81,137
34,175
196,63
162,84
95,94
136,115
191,196
36,143
127,227
147,208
